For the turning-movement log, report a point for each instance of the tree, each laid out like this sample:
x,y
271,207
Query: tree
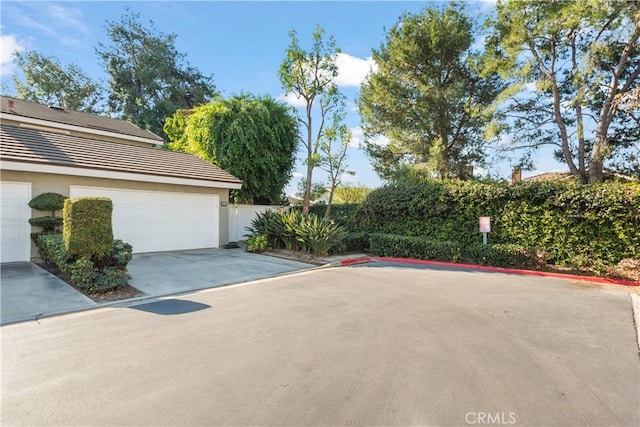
x,y
317,190
149,79
310,76
253,138
426,97
580,55
351,194
46,81
333,160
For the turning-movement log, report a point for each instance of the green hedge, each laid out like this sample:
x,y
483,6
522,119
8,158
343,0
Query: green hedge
x,y
341,214
87,227
498,255
391,245
84,273
567,222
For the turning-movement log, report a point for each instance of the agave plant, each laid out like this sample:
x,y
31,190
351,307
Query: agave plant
x,y
293,230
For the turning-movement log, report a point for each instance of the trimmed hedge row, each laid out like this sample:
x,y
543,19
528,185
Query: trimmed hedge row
x,y
566,222
84,273
498,255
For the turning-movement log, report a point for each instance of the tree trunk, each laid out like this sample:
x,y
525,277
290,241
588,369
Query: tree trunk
x,y
328,211
306,202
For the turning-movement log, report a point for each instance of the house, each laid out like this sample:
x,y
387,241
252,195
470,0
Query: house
x,y
162,200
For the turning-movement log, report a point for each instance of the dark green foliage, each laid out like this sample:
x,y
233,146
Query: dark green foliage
x,y
354,242
83,272
47,82
293,230
426,97
506,255
47,223
48,202
87,227
253,138
149,79
566,221
341,214
391,245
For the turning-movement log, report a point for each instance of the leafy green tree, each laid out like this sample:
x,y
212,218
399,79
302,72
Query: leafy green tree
x,y
351,194
310,76
317,190
149,79
253,138
580,55
46,81
426,97
333,160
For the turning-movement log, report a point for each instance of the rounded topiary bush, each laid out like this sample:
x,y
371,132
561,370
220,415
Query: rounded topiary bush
x,y
48,202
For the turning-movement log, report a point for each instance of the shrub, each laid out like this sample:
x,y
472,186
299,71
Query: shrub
x,y
317,236
293,230
353,242
257,243
83,272
568,222
87,227
392,245
506,255
342,214
48,202
47,223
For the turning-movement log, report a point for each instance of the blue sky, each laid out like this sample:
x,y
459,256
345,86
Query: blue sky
x,y
241,43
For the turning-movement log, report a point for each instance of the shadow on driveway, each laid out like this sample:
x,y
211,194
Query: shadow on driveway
x,y
171,307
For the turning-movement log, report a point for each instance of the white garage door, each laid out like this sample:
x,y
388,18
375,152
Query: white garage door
x,y
14,219
155,221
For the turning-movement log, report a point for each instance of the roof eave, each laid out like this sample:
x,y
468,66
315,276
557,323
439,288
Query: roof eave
x,y
113,174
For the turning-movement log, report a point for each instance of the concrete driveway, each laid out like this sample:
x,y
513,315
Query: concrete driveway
x,y
369,345
163,273
29,292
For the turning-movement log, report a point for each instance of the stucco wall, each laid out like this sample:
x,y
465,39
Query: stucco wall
x,y
43,183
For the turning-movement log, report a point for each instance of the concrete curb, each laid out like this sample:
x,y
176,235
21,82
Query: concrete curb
x,y
600,280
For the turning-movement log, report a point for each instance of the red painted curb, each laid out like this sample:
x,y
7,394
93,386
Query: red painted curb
x,y
601,280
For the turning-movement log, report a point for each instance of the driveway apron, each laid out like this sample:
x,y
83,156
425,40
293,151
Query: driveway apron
x,y
29,292
163,273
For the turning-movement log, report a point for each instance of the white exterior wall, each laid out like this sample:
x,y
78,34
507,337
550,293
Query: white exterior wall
x,y
240,216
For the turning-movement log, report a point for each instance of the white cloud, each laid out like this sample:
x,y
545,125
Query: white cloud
x,y
353,70
293,100
297,174
357,138
9,44
64,24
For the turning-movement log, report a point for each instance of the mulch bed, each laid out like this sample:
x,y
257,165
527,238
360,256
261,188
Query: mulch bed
x,y
120,293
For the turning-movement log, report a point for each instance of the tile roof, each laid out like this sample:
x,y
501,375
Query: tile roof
x,y
42,147
76,118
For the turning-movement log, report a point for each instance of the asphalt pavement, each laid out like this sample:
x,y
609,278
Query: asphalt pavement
x,y
366,345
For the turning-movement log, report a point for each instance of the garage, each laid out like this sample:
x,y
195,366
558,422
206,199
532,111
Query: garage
x,y
153,221
14,219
